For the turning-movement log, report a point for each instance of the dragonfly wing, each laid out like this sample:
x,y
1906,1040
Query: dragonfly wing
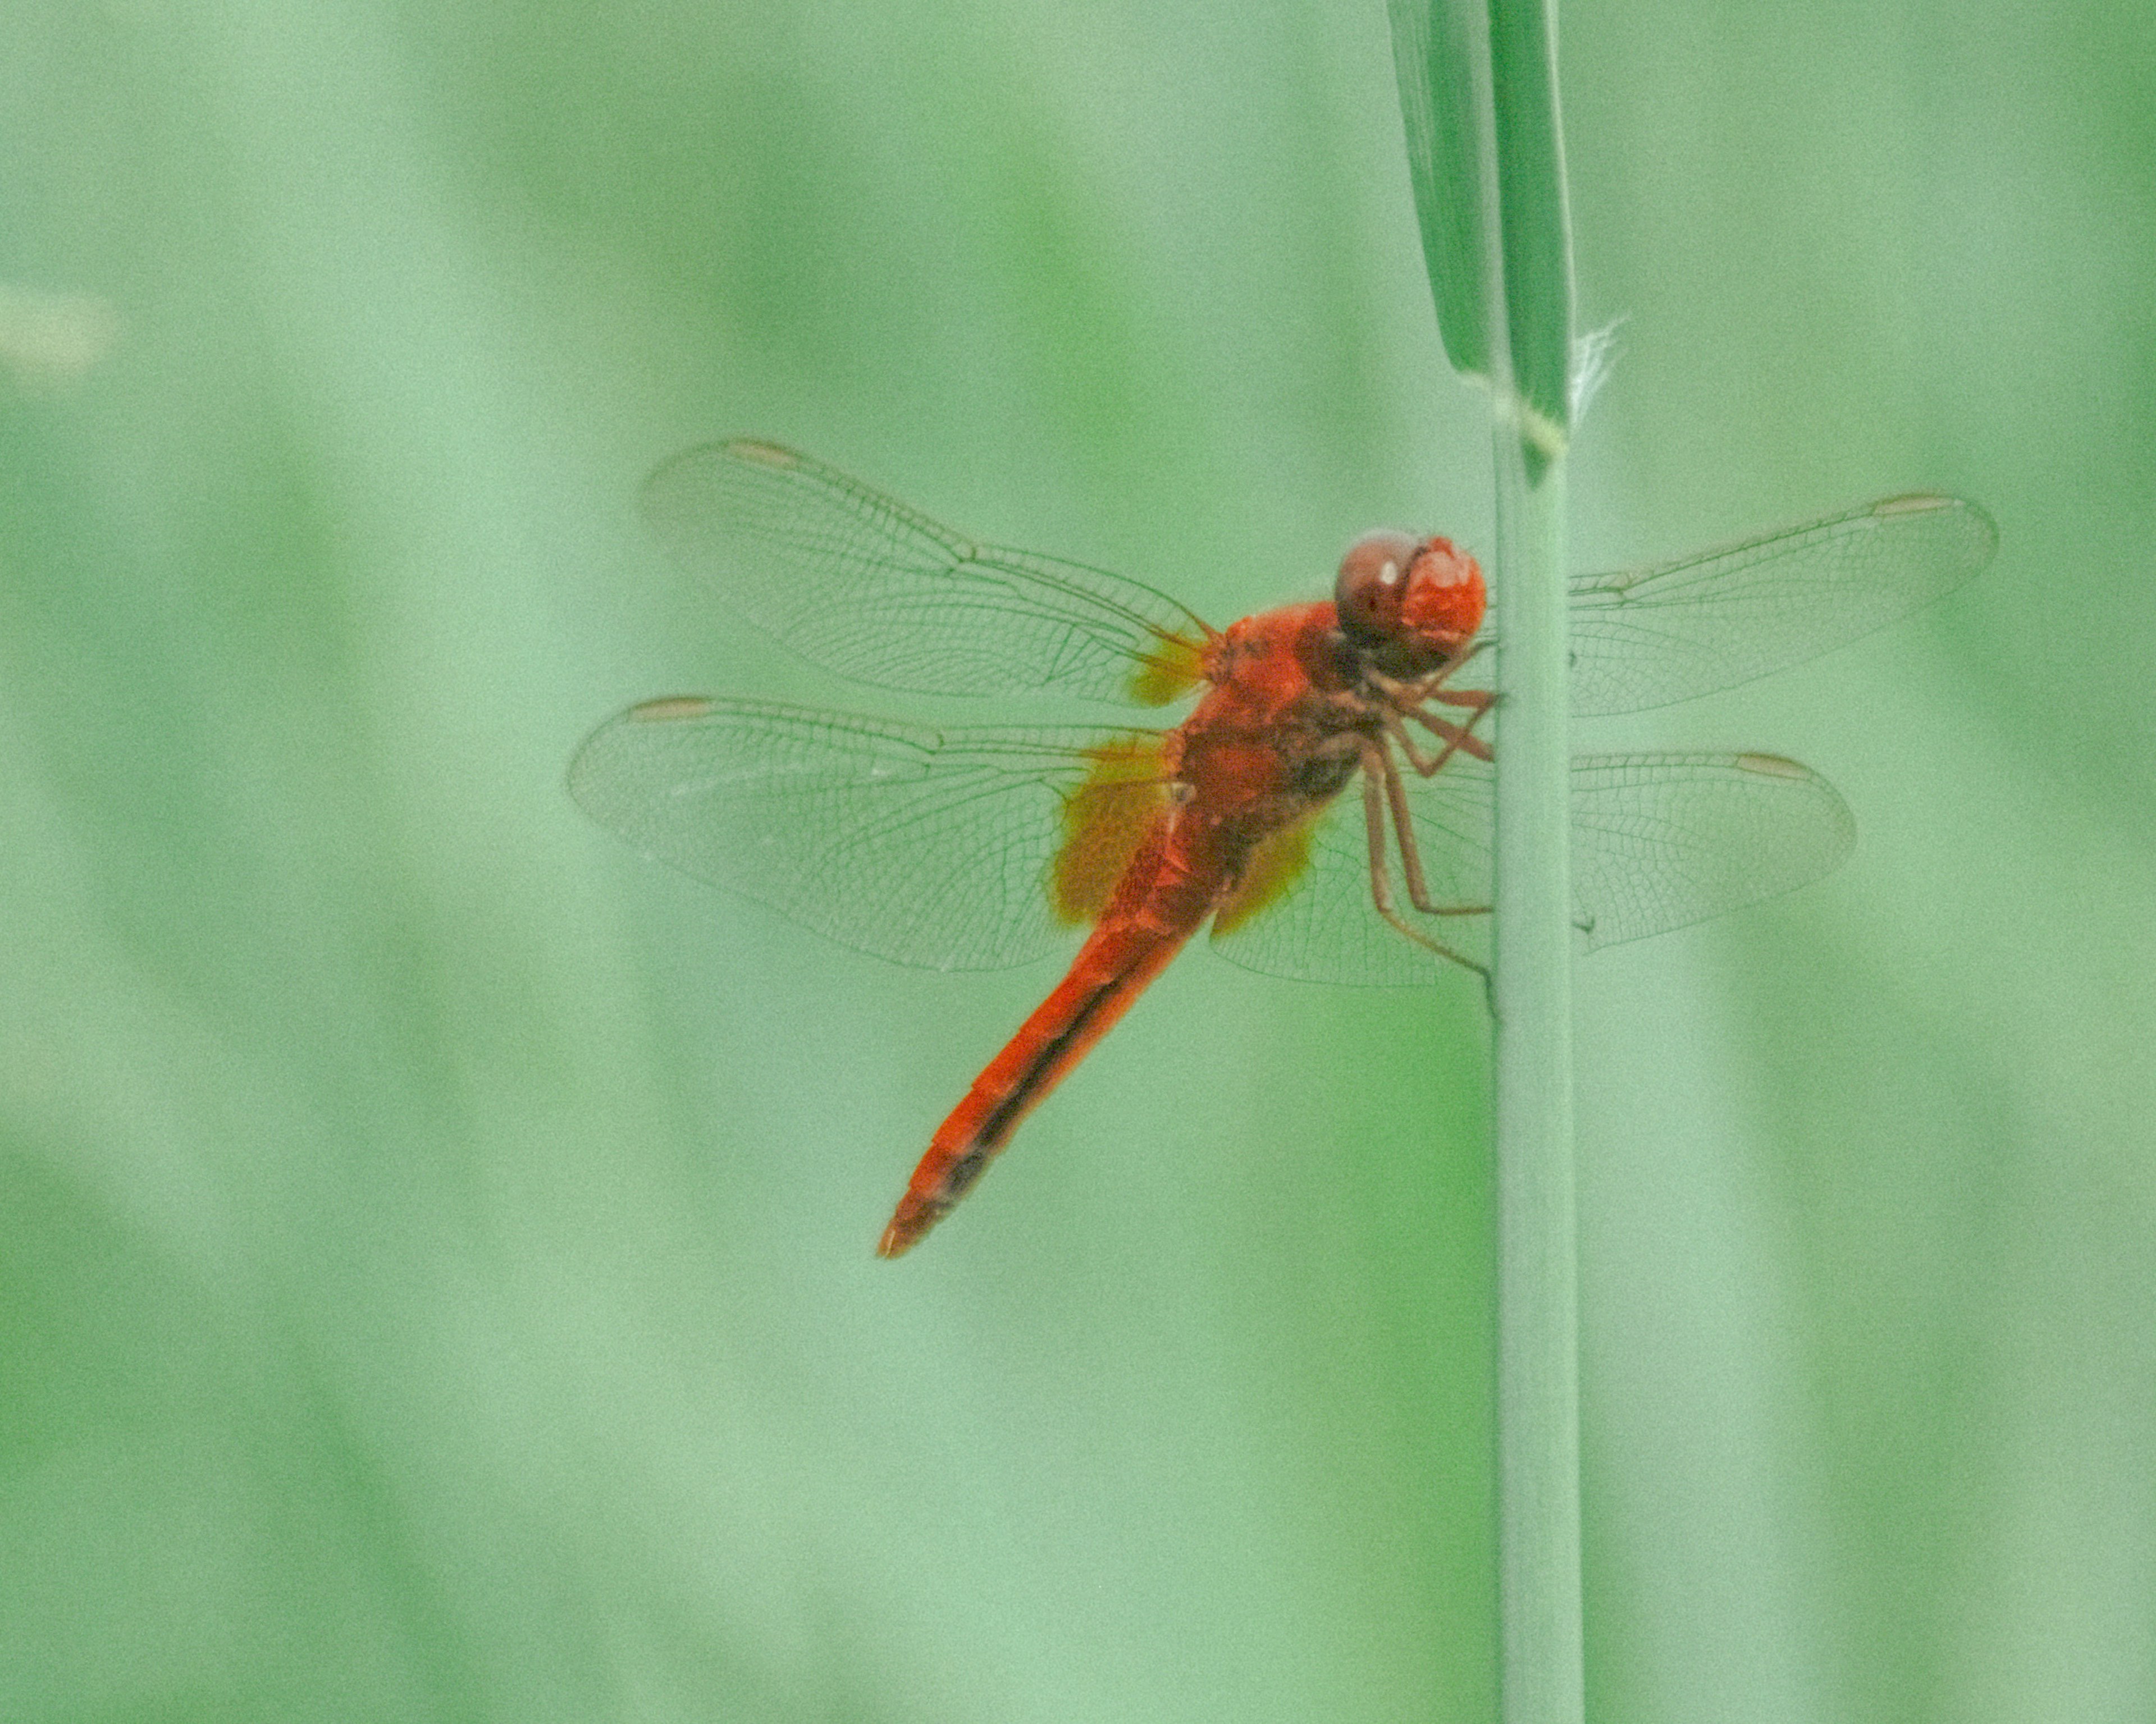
x,y
1646,637
1659,841
868,588
924,847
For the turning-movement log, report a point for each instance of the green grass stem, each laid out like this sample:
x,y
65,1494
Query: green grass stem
x,y
1479,95
1538,1277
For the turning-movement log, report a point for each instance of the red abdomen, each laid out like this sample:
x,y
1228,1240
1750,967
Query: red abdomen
x,y
1229,766
1161,902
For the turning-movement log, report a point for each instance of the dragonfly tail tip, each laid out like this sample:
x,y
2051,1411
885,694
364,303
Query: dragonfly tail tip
x,y
909,1224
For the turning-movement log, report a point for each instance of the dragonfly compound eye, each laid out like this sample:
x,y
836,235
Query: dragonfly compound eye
x,y
1373,577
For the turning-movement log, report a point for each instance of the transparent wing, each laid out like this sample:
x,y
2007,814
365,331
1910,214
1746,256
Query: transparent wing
x,y
1323,928
1646,637
1659,841
868,588
924,847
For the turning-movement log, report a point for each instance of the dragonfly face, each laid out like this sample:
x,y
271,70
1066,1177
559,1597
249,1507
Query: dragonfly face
x,y
1411,605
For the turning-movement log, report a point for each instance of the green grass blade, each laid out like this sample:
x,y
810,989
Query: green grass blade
x,y
1537,244
1436,50
1452,58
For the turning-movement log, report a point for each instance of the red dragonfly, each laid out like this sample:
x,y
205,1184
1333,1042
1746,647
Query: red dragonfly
x,y
979,847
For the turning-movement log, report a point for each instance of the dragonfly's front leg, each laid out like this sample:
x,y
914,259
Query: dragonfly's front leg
x,y
1457,738
1381,788
1407,699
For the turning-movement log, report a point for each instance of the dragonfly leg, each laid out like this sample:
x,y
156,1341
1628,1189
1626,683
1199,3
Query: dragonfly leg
x,y
1430,686
1456,738
1381,776
1422,687
1461,737
1396,798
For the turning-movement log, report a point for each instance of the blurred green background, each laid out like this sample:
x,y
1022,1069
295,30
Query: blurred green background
x,y
434,1272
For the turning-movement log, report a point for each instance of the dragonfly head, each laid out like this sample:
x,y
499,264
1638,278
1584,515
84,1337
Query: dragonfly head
x,y
1418,602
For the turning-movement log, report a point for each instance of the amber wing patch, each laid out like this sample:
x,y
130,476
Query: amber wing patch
x,y
1105,820
1175,666
1274,867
